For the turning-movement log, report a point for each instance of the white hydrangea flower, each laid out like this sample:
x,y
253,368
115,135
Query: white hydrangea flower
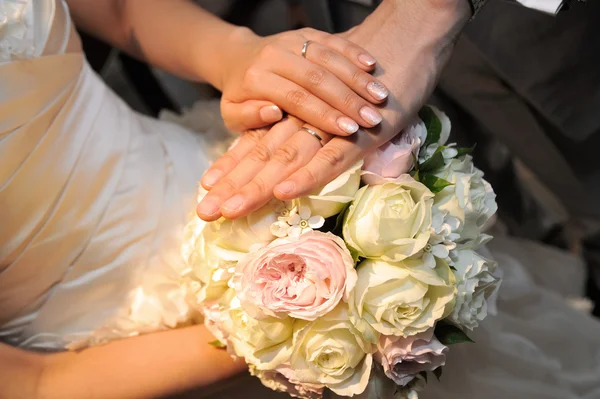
x,y
476,288
443,237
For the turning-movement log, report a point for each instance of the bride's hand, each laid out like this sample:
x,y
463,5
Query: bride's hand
x,y
331,87
287,162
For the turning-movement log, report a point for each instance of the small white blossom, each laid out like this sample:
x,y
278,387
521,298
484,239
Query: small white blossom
x,y
294,221
302,222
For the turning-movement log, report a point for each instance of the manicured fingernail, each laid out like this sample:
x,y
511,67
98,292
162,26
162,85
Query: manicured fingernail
x,y
234,203
208,207
377,90
270,114
212,177
347,125
286,187
367,60
370,115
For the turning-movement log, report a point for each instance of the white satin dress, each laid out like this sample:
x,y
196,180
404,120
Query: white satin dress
x,y
93,199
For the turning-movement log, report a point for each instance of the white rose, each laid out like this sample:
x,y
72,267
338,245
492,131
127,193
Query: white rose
x,y
209,267
400,299
278,382
330,351
265,343
470,198
390,221
476,285
331,199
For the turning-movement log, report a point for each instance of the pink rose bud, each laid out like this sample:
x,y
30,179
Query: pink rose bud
x,y
404,358
395,157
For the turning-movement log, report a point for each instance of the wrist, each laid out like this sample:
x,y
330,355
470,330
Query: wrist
x,y
445,14
236,44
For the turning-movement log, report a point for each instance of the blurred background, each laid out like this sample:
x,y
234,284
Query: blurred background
x,y
522,85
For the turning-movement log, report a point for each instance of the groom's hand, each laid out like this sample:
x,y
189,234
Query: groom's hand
x,y
412,40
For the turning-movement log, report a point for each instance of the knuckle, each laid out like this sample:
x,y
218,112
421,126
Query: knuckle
x,y
259,186
315,76
252,76
297,97
254,136
357,76
268,51
287,154
349,100
260,153
227,160
310,177
332,156
228,184
326,56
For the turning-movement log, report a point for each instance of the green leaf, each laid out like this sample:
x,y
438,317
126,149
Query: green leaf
x,y
433,124
433,164
449,334
464,151
438,373
424,375
218,344
434,183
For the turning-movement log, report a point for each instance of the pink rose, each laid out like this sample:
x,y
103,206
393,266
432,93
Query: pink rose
x,y
395,157
403,358
304,278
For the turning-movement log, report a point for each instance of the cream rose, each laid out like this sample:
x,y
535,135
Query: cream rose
x,y
304,278
400,299
278,382
332,352
331,199
390,221
477,287
395,157
470,198
404,358
265,343
209,266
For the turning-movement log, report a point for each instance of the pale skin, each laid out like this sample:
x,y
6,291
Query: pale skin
x,y
412,41
149,366
258,76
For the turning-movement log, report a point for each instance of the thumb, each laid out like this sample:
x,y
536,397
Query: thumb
x,y
251,114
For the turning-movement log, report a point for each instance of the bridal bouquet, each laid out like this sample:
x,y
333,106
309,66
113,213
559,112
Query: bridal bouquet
x,y
361,287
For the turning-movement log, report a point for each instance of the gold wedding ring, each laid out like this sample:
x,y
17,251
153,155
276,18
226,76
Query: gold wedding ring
x,y
314,134
304,48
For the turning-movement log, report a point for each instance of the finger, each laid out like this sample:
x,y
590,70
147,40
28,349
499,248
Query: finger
x,y
361,82
296,152
298,101
251,114
330,161
328,88
358,55
227,162
246,168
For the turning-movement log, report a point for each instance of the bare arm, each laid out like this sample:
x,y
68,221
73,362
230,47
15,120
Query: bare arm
x,y
175,35
331,88
153,365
